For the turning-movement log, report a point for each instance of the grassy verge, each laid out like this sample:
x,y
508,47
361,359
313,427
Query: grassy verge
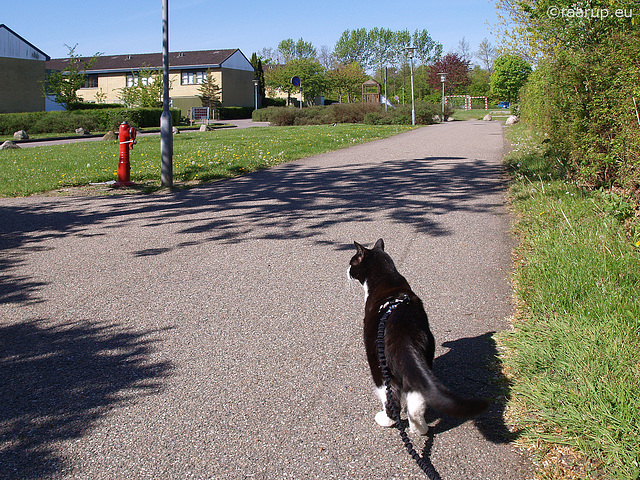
x,y
573,355
479,113
198,156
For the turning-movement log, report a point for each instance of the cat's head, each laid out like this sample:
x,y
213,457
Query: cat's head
x,y
366,261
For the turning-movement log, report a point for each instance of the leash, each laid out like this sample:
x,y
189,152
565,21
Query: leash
x,y
423,462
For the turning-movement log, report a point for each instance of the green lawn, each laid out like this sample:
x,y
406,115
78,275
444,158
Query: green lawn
x,y
573,356
479,113
198,156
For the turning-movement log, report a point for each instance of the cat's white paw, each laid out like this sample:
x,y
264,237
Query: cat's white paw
x,y
383,420
417,428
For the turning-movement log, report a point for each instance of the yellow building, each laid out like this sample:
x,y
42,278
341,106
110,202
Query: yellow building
x,y
231,70
22,69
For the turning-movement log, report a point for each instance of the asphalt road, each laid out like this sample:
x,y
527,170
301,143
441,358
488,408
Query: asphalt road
x,y
212,333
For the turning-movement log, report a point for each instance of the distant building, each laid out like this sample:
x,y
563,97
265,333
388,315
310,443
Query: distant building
x,y
231,70
22,73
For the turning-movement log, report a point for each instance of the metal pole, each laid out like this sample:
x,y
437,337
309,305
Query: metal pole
x,y
385,89
166,131
413,102
443,101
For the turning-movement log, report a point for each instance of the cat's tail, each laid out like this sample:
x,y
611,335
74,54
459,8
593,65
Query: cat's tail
x,y
440,398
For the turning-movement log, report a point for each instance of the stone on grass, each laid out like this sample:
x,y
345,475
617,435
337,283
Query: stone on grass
x,y
8,145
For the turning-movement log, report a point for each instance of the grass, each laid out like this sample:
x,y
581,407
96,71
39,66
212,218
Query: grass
x,y
573,355
197,156
479,113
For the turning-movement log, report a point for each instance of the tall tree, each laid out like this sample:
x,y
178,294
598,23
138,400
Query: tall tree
x,y
486,54
427,49
457,71
292,50
353,46
510,73
64,85
464,50
256,63
383,47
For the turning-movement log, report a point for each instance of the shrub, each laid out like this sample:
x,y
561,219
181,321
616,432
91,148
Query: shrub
x,y
368,113
93,120
583,101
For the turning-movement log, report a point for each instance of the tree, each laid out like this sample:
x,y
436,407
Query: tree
x,y
146,90
457,71
64,85
346,80
353,46
311,73
292,50
210,92
427,49
256,62
510,73
464,50
533,28
487,54
382,44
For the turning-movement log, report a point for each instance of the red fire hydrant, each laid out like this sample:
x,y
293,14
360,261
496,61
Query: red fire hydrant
x,y
127,136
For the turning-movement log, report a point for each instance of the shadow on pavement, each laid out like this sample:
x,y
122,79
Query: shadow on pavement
x,y
57,382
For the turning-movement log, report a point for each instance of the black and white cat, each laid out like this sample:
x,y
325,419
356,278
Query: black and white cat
x,y
408,344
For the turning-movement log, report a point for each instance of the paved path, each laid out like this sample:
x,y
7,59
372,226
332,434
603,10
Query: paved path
x,y
212,333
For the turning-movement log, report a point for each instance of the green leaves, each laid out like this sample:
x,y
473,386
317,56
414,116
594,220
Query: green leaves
x,y
510,73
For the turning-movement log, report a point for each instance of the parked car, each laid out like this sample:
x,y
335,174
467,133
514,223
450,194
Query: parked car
x,y
503,104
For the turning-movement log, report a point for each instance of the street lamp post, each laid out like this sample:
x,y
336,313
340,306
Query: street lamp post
x,y
443,78
166,131
255,93
410,51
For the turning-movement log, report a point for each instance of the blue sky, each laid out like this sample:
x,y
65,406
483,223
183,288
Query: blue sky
x,y
248,25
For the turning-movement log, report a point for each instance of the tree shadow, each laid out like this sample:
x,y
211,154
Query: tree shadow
x,y
57,382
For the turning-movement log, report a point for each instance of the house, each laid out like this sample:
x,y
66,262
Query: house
x,y
231,70
22,73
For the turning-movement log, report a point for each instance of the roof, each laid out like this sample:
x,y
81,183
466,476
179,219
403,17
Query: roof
x,y
118,63
29,44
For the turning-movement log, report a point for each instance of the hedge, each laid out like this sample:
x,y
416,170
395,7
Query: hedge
x,y
92,120
347,113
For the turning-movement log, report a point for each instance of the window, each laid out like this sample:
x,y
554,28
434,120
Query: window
x,y
193,77
91,81
134,79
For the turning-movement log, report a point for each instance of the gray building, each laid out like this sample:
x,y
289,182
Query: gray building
x,y
22,73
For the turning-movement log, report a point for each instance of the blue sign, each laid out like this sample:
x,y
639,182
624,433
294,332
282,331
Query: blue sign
x,y
295,81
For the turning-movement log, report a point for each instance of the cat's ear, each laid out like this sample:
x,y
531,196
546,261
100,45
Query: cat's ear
x,y
360,248
379,244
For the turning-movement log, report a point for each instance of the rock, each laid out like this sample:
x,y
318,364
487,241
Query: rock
x,y
8,145
450,119
20,135
512,120
487,117
110,136
82,131
175,130
204,128
436,118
